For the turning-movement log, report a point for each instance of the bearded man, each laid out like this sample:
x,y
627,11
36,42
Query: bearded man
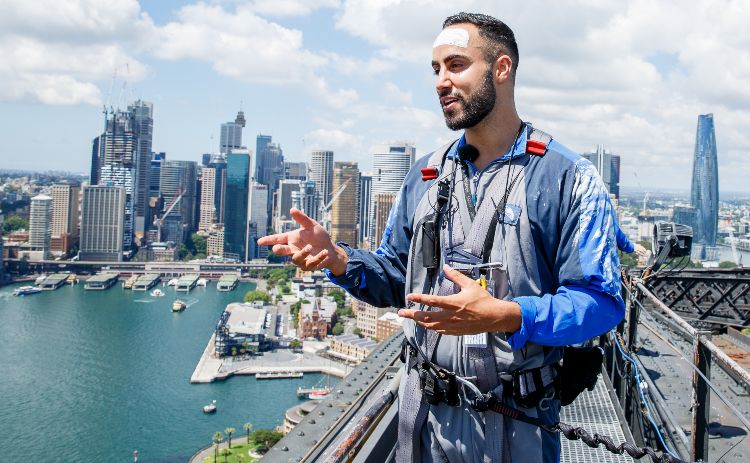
x,y
500,246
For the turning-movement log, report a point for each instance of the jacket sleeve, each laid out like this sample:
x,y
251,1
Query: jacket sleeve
x,y
379,277
623,242
588,301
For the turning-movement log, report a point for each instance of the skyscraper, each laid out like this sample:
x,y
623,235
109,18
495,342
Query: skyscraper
x,y
155,175
364,215
391,163
704,191
306,199
382,210
321,172
231,134
143,127
102,223
295,170
269,165
208,200
178,180
118,164
283,201
237,194
344,208
40,225
258,220
608,166
66,209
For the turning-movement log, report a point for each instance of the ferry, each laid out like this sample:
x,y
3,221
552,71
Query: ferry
x,y
202,282
172,282
178,306
26,290
157,293
210,408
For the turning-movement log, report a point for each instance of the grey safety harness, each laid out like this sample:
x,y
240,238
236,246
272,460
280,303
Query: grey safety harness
x,y
468,252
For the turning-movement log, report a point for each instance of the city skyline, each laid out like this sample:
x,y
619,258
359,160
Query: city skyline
x,y
348,76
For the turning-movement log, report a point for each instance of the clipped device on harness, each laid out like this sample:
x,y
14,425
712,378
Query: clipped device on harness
x,y
431,229
439,386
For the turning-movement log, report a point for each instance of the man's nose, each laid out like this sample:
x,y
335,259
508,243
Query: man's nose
x,y
443,82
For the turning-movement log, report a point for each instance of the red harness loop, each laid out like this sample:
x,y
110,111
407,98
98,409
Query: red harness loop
x,y
536,147
429,173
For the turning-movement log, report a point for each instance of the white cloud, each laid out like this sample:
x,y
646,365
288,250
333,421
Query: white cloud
x,y
279,8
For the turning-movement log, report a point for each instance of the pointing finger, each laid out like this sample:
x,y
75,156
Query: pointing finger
x,y
283,250
301,218
280,238
444,302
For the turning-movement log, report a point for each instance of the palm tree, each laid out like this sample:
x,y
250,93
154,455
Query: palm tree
x,y
226,453
248,427
218,437
229,432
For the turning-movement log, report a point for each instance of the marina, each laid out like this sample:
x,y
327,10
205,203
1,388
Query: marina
x,y
54,281
187,282
101,281
227,283
146,282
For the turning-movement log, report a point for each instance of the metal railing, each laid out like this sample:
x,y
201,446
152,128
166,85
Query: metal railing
x,y
650,418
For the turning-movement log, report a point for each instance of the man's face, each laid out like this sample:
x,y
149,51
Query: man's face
x,y
465,83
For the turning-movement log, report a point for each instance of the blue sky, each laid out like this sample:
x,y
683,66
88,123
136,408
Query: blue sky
x,y
347,75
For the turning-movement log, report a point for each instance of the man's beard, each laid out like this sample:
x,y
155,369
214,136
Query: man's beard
x,y
475,107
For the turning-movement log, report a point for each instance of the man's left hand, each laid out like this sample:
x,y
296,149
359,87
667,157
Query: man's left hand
x,y
470,311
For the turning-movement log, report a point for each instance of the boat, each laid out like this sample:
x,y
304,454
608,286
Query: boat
x,y
172,282
157,293
72,279
210,408
26,290
40,279
202,282
178,306
319,394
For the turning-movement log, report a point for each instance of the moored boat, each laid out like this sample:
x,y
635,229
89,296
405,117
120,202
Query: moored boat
x,y
210,408
26,290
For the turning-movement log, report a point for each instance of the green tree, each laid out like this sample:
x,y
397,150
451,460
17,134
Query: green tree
x,y
294,310
266,437
255,295
229,431
338,296
225,453
13,223
628,260
217,438
358,332
199,244
295,344
338,328
727,264
248,427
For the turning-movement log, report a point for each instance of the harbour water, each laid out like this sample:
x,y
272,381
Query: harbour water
x,y
90,376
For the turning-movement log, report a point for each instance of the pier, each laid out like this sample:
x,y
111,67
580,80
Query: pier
x,y
101,281
54,281
146,282
227,283
187,282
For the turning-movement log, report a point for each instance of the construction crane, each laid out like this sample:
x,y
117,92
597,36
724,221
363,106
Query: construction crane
x,y
159,221
325,211
733,243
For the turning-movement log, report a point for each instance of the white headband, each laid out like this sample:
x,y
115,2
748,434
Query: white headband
x,y
453,36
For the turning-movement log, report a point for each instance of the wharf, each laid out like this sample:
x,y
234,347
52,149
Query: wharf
x,y
227,283
102,281
54,281
187,282
146,282
210,368
128,284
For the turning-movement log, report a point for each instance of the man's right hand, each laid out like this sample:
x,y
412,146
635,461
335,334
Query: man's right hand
x,y
310,246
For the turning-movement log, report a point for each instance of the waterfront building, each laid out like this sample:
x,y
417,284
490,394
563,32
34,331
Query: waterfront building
x,y
215,241
351,348
344,208
240,330
66,212
382,210
208,200
231,134
237,196
258,220
364,214
608,166
178,181
283,202
40,227
704,191
143,128
102,223
367,317
321,172
391,163
295,170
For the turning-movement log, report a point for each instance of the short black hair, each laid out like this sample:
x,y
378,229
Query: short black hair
x,y
499,36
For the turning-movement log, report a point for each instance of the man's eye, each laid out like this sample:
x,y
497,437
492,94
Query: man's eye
x,y
435,71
